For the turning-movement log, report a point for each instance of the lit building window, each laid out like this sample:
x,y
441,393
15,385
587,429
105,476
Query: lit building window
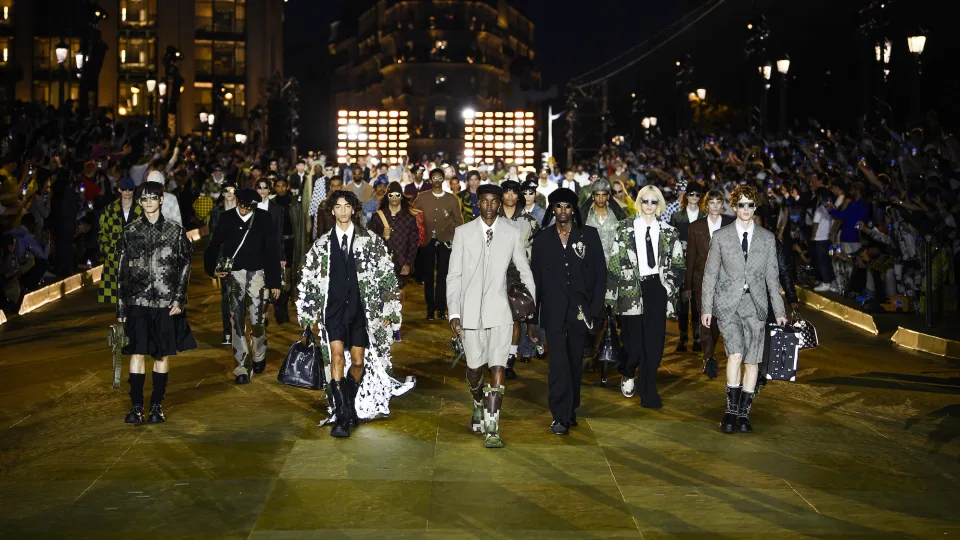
x,y
137,53
227,58
381,135
221,16
6,50
48,93
45,52
138,13
134,98
6,12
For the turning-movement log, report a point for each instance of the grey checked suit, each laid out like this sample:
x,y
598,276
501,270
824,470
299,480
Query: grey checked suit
x,y
741,317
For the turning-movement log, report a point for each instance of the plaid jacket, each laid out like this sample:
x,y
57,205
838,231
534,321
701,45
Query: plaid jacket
x,y
623,271
154,265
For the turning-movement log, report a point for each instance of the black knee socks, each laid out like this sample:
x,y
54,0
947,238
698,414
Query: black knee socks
x,y
159,387
136,381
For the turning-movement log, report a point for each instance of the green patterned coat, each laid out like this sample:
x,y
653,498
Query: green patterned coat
x,y
111,228
380,296
623,271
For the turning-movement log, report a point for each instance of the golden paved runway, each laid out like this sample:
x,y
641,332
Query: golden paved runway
x,y
866,444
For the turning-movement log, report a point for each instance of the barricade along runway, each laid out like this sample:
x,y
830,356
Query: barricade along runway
x,y
865,444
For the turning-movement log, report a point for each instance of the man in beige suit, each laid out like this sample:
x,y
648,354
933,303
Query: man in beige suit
x,y
479,309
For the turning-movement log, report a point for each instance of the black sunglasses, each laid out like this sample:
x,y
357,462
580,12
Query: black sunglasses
x,y
746,205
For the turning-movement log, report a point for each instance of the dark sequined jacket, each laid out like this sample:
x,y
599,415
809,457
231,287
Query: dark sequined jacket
x,y
154,265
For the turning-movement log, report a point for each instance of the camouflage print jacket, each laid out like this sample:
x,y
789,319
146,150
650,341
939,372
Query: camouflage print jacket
x,y
154,266
623,272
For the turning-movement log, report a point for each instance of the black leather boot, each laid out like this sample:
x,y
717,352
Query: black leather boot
x,y
135,416
682,346
509,373
352,387
342,426
729,422
743,413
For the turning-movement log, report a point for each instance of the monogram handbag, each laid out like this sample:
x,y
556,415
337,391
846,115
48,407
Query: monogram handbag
x,y
806,331
521,301
303,366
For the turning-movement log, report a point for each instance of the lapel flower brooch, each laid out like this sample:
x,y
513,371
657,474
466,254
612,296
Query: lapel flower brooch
x,y
580,249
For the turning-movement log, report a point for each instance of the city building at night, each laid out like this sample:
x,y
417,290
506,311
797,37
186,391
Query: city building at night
x,y
232,46
433,60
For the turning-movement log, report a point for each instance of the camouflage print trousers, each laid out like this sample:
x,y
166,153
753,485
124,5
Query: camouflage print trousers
x,y
247,297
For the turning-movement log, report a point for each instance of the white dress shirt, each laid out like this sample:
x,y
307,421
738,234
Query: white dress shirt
x,y
692,215
714,226
569,184
263,205
341,233
640,226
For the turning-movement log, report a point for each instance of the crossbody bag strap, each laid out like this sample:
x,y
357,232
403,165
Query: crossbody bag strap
x,y
244,239
386,226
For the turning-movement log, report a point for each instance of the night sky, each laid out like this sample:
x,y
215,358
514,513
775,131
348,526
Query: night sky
x,y
828,57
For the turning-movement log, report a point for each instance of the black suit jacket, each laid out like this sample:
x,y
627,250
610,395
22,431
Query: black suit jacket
x,y
565,280
277,215
259,252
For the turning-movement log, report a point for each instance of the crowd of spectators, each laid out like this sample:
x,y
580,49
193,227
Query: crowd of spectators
x,y
60,170
866,215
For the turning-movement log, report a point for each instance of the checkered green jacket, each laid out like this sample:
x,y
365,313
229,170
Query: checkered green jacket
x,y
111,227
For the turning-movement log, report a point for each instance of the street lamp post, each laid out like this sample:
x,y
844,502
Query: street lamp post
x,y
151,88
783,66
701,98
766,71
916,44
61,52
551,118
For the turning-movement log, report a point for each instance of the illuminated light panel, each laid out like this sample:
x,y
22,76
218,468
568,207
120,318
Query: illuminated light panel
x,y
374,130
506,135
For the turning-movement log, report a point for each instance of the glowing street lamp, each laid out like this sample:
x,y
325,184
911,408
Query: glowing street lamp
x,y
61,51
916,44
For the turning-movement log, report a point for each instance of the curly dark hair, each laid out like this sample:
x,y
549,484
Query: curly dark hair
x,y
350,198
394,187
747,191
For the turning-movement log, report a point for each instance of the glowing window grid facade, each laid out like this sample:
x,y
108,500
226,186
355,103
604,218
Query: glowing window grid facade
x,y
381,134
506,135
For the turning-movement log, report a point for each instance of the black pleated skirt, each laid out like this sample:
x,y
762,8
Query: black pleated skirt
x,y
154,332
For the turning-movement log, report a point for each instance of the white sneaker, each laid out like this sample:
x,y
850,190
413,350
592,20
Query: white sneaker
x,y
626,386
822,287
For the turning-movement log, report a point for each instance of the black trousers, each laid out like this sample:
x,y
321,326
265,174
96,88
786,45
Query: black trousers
x,y
643,337
687,309
563,379
436,257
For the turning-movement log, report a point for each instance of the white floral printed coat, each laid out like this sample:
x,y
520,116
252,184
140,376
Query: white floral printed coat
x,y
381,301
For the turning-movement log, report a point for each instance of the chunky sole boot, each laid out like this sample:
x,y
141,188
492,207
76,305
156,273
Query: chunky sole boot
x,y
729,422
476,419
351,390
156,414
743,414
493,400
135,416
341,428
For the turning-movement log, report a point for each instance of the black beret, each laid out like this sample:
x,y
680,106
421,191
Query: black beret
x,y
490,188
510,185
563,195
247,197
528,185
695,187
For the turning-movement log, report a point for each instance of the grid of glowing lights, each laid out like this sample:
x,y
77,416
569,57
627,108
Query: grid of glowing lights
x,y
381,134
499,135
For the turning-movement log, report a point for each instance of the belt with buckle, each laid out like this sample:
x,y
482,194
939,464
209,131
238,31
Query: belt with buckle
x,y
649,277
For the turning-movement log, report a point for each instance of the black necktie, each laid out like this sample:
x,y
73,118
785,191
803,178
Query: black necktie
x,y
651,258
745,246
343,244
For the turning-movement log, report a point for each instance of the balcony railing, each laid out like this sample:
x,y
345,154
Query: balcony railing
x,y
221,25
208,68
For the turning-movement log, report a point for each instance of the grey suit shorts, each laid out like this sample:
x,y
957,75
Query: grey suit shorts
x,y
743,332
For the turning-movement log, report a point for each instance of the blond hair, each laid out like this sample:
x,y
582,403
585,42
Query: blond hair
x,y
655,191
